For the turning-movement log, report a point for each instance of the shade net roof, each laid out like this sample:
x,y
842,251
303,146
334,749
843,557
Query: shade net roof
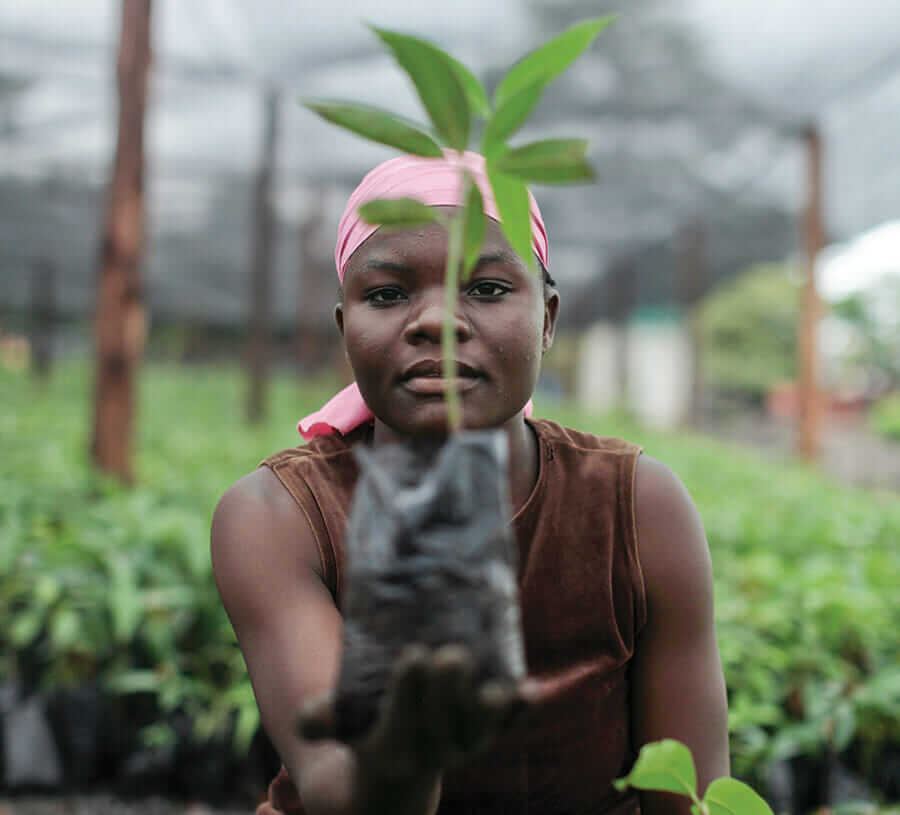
x,y
699,152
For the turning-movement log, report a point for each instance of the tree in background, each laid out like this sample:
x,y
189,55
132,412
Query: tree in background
x,y
120,320
748,332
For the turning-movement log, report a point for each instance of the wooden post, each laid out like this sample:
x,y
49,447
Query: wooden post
x,y
261,266
43,313
621,289
810,398
310,299
120,324
691,281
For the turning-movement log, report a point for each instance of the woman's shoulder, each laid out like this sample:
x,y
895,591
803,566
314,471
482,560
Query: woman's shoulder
x,y
321,449
554,433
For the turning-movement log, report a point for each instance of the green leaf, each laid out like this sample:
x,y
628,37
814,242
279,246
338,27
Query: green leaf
x,y
478,101
662,765
377,125
554,161
508,118
398,213
65,629
551,59
437,81
245,728
137,681
728,796
25,628
511,196
474,228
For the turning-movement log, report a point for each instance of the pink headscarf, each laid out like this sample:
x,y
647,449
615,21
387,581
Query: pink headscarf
x,y
435,182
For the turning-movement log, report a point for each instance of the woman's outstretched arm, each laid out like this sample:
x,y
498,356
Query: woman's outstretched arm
x,y
678,690
267,569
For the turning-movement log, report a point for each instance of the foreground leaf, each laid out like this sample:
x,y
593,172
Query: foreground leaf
x,y
475,93
554,161
437,80
551,59
378,125
508,118
397,212
728,796
511,196
662,765
473,229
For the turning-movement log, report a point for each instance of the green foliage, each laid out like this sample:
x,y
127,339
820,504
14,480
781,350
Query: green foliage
x,y
437,79
451,94
114,585
873,317
551,59
885,417
664,765
748,331
667,766
473,228
398,212
511,196
379,126
807,612
554,161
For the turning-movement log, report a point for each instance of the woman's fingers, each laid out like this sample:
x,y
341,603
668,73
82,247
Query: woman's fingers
x,y
434,714
451,678
500,703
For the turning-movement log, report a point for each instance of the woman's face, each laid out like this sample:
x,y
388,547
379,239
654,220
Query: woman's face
x,y
391,318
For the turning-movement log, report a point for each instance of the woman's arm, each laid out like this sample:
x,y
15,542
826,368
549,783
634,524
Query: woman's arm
x,y
678,690
266,566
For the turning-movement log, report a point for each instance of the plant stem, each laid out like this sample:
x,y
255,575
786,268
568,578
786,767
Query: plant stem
x,y
448,329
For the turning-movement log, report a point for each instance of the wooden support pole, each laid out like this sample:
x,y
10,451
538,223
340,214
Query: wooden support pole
x,y
43,315
809,396
120,322
691,265
310,287
258,348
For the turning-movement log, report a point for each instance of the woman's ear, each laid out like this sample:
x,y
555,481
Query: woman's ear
x,y
339,317
551,312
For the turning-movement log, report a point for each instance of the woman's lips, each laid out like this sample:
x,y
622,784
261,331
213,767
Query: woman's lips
x,y
438,385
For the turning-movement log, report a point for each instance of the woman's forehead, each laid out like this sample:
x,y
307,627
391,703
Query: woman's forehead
x,y
424,247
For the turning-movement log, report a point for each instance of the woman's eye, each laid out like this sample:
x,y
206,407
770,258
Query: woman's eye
x,y
384,296
487,288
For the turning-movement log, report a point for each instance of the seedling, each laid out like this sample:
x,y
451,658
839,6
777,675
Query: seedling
x,y
453,98
667,766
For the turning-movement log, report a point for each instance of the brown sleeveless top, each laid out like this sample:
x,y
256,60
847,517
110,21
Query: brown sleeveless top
x,y
583,606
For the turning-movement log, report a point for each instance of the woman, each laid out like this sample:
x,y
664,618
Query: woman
x,y
614,573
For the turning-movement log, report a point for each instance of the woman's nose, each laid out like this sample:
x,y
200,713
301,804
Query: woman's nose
x,y
427,322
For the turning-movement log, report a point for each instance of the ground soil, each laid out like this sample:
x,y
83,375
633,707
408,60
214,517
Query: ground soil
x,y
107,805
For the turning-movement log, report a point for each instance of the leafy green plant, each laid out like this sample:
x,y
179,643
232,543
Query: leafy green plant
x,y
806,604
748,331
453,98
667,766
885,417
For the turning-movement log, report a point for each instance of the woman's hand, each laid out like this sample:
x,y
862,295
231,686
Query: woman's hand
x,y
433,717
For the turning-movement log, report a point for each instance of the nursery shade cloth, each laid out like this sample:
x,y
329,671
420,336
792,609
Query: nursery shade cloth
x,y
435,182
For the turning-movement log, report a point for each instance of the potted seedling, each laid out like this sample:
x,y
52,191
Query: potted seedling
x,y
405,582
